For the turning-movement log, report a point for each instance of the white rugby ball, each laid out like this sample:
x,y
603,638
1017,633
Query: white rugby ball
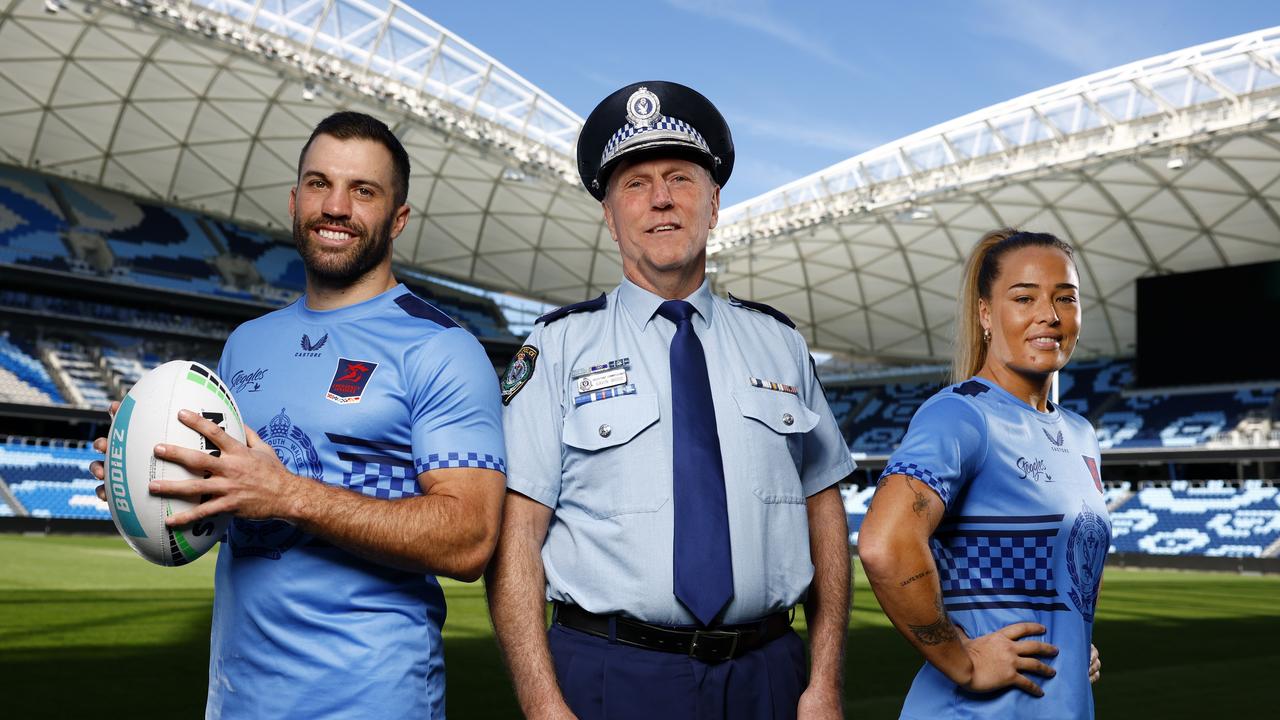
x,y
148,416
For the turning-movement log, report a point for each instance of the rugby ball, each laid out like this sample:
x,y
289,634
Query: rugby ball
x,y
148,416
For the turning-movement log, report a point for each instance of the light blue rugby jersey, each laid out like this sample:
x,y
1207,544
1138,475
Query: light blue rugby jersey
x,y
1024,539
365,397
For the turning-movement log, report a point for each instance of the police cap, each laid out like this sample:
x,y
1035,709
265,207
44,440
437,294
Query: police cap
x,y
653,118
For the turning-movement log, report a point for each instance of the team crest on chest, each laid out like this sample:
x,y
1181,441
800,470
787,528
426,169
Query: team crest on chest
x,y
1087,547
272,538
350,380
518,372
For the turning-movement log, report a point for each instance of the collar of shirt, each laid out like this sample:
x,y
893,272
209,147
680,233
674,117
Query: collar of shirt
x,y
642,305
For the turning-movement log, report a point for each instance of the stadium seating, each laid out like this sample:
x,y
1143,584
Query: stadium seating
x,y
82,374
1085,386
133,317
883,420
23,378
30,221
1216,519
1182,420
52,481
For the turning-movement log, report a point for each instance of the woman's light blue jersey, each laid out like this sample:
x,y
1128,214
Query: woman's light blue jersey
x,y
1024,539
365,397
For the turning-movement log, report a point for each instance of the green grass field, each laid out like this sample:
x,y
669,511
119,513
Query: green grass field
x,y
78,614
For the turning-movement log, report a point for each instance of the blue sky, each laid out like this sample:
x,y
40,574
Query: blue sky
x,y
805,85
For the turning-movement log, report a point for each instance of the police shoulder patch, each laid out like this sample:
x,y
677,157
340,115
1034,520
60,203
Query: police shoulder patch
x,y
584,306
773,312
518,372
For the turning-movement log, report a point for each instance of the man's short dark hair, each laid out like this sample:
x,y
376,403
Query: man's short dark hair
x,y
348,125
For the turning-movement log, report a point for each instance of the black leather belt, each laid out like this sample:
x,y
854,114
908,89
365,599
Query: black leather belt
x,y
724,642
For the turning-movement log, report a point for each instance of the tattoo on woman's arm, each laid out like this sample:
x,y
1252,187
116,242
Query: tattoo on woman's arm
x,y
915,577
921,504
938,631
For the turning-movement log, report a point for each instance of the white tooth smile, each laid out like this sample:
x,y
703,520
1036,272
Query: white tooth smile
x,y
333,234
662,228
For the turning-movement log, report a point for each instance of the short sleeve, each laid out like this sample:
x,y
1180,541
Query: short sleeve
x,y
944,446
533,420
455,414
826,459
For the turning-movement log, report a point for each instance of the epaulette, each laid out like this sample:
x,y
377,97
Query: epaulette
x,y
584,306
762,308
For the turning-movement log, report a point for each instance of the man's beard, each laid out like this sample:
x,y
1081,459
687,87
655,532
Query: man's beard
x,y
342,268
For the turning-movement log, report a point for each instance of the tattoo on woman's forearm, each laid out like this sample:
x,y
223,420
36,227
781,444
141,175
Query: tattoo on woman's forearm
x,y
915,577
938,631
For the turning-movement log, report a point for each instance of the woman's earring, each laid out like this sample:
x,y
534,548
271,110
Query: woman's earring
x,y
986,335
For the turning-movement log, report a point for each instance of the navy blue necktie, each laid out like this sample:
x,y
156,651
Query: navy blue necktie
x,y
703,560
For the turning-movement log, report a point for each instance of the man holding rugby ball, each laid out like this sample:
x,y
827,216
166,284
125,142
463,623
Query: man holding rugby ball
x,y
377,463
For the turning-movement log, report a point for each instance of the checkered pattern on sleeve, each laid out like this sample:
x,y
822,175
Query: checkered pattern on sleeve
x,y
998,561
923,474
436,461
382,480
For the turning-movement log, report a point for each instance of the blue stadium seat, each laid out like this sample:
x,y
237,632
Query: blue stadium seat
x,y
52,481
1216,520
23,378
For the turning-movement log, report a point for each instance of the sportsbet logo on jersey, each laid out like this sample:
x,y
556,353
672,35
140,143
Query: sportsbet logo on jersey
x,y
350,380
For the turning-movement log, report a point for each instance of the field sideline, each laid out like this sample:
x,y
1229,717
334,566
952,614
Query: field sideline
x,y
80,615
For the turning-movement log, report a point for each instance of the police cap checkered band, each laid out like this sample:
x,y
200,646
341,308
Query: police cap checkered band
x,y
667,130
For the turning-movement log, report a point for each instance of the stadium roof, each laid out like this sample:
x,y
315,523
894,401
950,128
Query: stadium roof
x,y
1165,165
206,104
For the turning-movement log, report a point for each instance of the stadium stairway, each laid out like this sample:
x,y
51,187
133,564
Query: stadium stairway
x,y
10,505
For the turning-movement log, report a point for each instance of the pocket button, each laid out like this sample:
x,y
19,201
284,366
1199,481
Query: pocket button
x,y
788,419
605,431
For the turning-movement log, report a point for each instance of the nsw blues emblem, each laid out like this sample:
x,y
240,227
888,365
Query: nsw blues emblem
x,y
1087,547
350,380
271,538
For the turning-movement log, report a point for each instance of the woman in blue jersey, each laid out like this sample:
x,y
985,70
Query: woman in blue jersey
x,y
987,535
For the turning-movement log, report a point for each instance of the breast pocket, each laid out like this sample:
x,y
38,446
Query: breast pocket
x,y
612,457
775,426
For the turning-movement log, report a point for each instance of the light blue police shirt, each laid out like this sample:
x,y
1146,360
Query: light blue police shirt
x,y
1024,539
364,397
601,458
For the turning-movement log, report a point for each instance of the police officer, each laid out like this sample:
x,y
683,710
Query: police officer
x,y
672,464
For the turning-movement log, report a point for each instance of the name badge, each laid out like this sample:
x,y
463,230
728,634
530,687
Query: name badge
x,y
601,380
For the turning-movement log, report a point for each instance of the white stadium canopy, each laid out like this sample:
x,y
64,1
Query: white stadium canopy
x,y
206,103
1165,165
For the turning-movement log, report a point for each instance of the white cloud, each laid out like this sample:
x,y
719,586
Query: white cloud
x,y
1084,37
757,15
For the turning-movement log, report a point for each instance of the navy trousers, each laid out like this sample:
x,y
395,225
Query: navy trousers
x,y
608,681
